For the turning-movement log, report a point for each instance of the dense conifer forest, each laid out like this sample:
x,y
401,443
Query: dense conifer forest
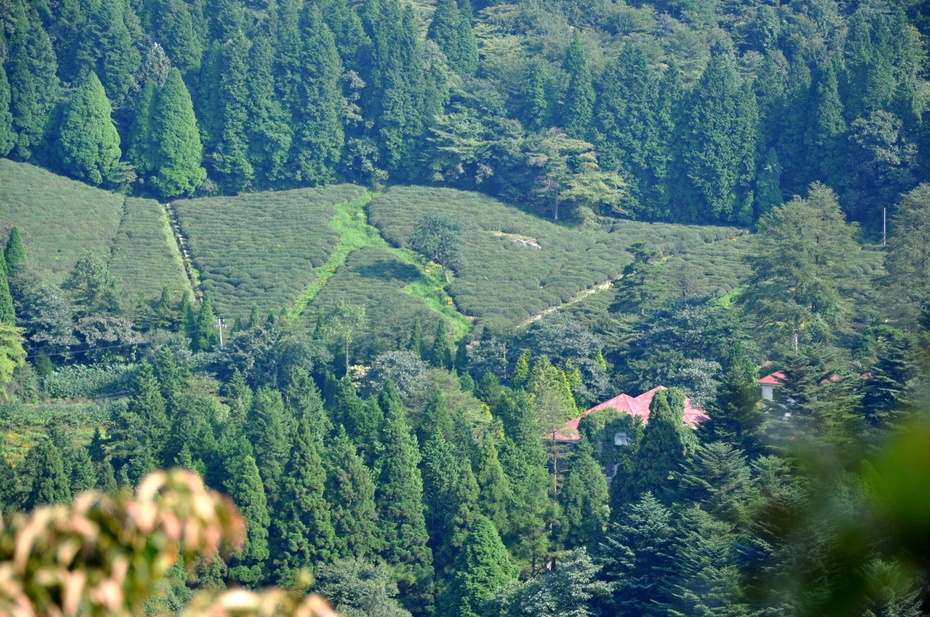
x,y
364,266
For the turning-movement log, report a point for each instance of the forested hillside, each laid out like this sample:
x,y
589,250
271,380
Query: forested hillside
x,y
367,268
707,112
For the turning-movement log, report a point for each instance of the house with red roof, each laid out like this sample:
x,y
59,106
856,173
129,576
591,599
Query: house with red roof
x,y
769,383
637,406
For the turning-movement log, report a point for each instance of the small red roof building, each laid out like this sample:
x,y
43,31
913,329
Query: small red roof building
x,y
775,379
637,406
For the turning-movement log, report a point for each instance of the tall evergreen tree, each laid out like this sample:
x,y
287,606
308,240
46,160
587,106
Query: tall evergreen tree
x,y
269,132
174,27
721,142
206,334
177,151
416,344
315,103
482,568
400,509
441,354
15,252
825,138
637,558
768,184
7,311
495,493
350,493
584,501
303,530
34,86
140,146
88,144
267,430
48,482
451,29
7,135
244,484
580,96
230,156
662,450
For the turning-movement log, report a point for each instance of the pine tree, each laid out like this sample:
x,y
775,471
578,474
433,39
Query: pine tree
x,y
735,415
350,491
140,146
269,133
482,568
109,42
148,404
88,144
521,372
452,31
174,28
206,334
7,135
45,470
637,559
177,149
768,184
579,99
717,479
306,404
304,533
244,484
441,354
400,509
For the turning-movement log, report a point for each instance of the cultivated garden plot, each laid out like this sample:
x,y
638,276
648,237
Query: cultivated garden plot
x,y
261,248
61,220
144,259
515,265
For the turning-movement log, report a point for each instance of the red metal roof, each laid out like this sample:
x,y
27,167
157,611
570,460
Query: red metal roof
x,y
635,406
775,379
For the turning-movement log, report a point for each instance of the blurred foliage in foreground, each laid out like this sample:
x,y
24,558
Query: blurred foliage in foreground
x,y
104,555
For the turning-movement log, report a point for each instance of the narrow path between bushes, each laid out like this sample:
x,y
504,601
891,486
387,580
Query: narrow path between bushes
x,y
351,223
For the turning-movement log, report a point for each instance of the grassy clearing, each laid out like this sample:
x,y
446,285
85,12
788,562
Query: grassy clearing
x,y
261,248
144,258
504,282
352,263
61,220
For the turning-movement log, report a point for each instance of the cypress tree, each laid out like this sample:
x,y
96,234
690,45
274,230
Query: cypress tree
x,y
350,491
399,499
244,484
107,44
521,372
793,126
436,419
206,333
303,528
495,493
7,311
768,184
482,568
662,450
32,73
316,103
416,339
45,469
267,431
88,144
230,158
174,28
451,29
826,133
451,506
140,149
584,501
579,99
177,149
441,355
7,135
538,100
720,146
305,403
735,416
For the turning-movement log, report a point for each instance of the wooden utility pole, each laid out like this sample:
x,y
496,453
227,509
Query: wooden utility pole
x,y
884,225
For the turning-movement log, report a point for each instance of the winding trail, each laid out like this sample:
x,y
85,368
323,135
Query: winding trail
x,y
578,297
180,244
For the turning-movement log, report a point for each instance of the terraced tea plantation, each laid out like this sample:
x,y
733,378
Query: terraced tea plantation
x,y
261,248
515,265
62,220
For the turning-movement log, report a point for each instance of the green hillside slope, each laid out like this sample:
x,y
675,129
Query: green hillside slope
x,y
261,248
61,220
516,265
